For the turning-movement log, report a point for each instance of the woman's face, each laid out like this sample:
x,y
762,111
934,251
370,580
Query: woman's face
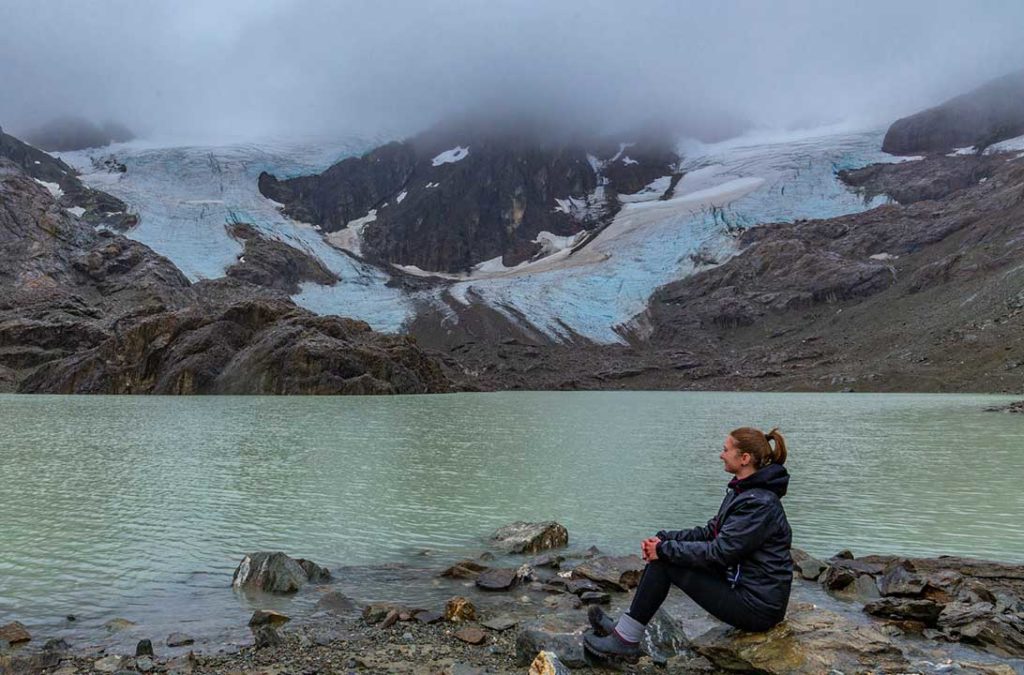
x,y
735,462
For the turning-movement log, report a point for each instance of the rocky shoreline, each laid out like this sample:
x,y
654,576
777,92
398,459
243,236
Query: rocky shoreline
x,y
521,607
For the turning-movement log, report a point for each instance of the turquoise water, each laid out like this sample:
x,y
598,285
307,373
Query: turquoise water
x,y
142,506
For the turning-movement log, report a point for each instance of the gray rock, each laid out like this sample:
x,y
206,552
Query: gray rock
x,y
179,640
497,579
338,603
144,648
109,664
916,609
144,664
901,579
270,572
595,598
809,568
499,623
14,633
267,636
523,537
268,617
612,573
552,635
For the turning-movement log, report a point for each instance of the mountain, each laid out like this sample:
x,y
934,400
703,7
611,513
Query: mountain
x,y
991,113
86,310
463,194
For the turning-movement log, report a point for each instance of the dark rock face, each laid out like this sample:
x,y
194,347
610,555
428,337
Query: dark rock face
x,y
454,197
906,184
99,207
83,311
989,114
273,264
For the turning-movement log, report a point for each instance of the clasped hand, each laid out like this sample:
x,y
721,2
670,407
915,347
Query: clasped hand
x,y
649,549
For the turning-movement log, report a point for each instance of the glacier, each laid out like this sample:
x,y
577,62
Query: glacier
x,y
185,194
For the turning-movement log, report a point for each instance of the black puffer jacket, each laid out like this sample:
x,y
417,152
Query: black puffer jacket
x,y
749,541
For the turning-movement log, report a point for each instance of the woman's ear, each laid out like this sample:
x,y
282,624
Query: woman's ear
x,y
746,458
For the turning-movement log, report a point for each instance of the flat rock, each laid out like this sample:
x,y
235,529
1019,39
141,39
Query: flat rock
x,y
595,598
523,537
901,579
14,633
115,625
497,579
179,640
614,573
268,617
499,623
810,641
914,609
336,602
429,617
464,569
471,635
109,664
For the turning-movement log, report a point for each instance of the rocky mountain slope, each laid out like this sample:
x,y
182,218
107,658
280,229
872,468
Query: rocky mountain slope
x,y
991,113
87,311
459,195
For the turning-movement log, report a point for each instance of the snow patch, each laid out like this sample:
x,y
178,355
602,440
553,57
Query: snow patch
x,y
627,160
649,192
553,243
967,150
883,256
351,237
76,211
622,149
429,186
52,187
456,154
1008,145
399,198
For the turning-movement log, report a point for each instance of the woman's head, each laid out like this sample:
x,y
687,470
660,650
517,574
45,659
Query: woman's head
x,y
747,449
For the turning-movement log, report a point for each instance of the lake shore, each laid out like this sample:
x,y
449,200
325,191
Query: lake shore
x,y
926,615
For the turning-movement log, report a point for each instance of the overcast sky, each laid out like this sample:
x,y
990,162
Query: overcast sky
x,y
248,68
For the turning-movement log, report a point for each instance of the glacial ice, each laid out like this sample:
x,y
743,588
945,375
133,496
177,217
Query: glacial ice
x,y
185,195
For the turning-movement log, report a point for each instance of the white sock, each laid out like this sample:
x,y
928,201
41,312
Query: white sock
x,y
629,629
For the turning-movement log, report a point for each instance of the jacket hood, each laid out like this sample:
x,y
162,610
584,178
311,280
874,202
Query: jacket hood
x,y
773,477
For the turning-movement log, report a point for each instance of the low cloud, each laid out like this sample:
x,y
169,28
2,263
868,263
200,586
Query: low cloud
x,y
201,70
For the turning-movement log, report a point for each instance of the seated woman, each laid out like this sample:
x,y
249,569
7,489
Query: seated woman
x,y
738,567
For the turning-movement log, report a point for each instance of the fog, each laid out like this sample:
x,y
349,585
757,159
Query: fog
x,y
252,68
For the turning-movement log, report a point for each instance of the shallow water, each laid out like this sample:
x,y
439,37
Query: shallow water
x,y
140,507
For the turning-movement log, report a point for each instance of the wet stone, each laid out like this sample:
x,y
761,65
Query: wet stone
x,y
497,579
471,635
595,598
263,617
522,537
144,648
499,623
429,617
179,640
459,609
14,633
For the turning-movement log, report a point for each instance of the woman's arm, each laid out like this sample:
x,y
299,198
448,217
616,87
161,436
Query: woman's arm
x,y
743,532
706,533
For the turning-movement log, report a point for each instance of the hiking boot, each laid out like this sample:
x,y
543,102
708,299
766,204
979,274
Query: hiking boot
x,y
602,623
612,648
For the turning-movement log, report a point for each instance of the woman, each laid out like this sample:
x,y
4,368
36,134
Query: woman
x,y
738,567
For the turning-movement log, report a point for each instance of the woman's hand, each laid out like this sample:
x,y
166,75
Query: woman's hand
x,y
649,549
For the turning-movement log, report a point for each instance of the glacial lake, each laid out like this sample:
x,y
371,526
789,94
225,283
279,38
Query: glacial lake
x,y
141,507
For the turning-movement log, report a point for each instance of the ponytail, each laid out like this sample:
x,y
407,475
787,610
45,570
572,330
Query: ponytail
x,y
759,445
776,455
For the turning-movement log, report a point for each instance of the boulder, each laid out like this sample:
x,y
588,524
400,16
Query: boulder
x,y
981,624
314,573
14,633
612,573
117,625
523,537
810,641
144,648
552,634
664,638
268,617
275,572
548,663
376,612
808,567
459,609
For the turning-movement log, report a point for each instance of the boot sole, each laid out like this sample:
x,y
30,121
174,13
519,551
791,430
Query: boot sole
x,y
630,659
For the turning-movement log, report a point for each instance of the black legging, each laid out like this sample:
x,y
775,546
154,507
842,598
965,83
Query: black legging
x,y
711,590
